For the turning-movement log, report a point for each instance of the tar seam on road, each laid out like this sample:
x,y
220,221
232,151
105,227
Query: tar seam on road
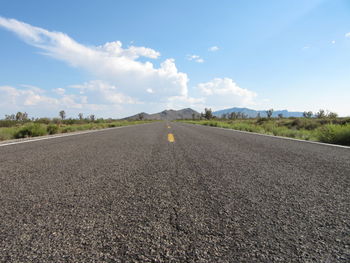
x,y
171,137
277,137
64,135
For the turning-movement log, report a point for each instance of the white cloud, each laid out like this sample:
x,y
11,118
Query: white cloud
x,y
109,62
100,92
12,97
347,34
333,42
213,48
222,92
94,97
125,84
195,58
114,49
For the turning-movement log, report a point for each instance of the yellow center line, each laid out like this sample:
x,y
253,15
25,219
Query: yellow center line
x,y
171,137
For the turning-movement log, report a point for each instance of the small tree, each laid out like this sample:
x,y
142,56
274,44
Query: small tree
x,y
24,116
258,115
280,115
332,115
269,113
141,116
62,114
92,117
208,114
19,116
80,116
307,114
193,116
11,117
244,116
321,114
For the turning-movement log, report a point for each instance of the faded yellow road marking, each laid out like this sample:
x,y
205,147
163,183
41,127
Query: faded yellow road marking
x,y
171,137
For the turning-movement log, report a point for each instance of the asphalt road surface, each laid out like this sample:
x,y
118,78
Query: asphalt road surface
x,y
183,193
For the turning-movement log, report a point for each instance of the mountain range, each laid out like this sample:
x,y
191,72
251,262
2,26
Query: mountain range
x,y
166,115
189,113
253,113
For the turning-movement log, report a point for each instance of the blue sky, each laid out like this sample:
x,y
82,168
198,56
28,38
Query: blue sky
x,y
117,58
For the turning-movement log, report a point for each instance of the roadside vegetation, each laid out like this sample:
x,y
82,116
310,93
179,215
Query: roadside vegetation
x,y
321,126
19,125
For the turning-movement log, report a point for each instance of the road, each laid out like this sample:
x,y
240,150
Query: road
x,y
205,195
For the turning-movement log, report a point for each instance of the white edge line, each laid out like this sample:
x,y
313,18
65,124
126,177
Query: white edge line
x,y
274,136
47,137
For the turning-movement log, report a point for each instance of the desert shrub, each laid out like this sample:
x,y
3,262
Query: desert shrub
x,y
307,124
30,130
310,124
337,134
43,120
245,126
297,123
7,123
56,120
7,133
324,121
52,129
66,129
261,120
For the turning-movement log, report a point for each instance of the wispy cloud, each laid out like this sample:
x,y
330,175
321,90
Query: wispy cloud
x,y
213,48
333,42
347,34
195,58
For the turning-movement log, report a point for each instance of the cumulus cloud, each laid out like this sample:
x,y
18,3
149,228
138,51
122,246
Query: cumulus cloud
x,y
100,92
213,48
221,92
12,97
132,52
94,96
127,80
110,62
195,58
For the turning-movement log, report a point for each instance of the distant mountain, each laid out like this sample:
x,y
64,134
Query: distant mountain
x,y
166,115
254,113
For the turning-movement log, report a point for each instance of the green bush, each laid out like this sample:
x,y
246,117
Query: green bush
x,y
30,130
7,133
69,129
52,129
337,134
